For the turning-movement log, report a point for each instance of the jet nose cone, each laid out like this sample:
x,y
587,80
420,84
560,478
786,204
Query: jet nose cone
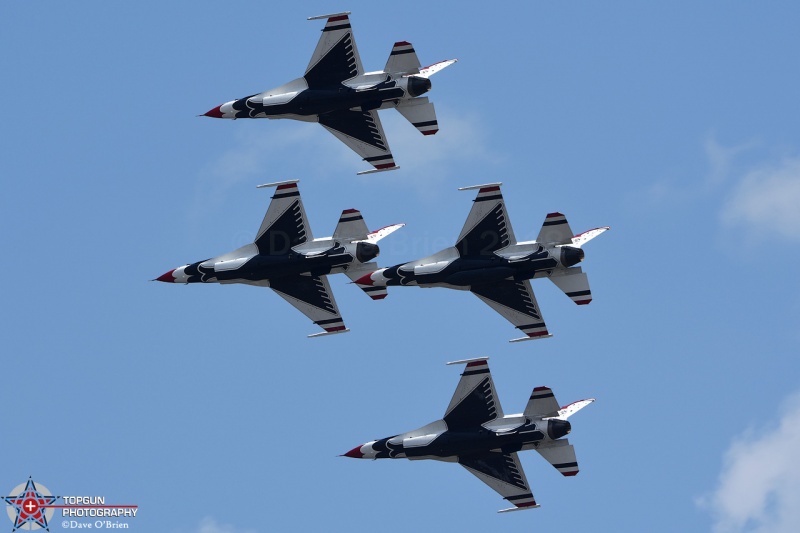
x,y
214,113
355,453
365,280
167,277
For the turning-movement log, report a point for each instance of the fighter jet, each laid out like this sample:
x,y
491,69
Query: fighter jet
x,y
477,435
287,258
336,92
488,261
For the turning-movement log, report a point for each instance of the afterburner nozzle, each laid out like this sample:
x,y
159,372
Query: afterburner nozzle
x,y
557,428
366,251
571,256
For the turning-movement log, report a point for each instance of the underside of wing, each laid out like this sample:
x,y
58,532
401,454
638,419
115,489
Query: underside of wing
x,y
475,400
312,296
336,57
516,302
503,473
487,228
363,133
285,224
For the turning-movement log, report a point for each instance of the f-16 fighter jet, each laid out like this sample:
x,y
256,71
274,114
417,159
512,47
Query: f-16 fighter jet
x,y
488,261
477,435
289,260
336,92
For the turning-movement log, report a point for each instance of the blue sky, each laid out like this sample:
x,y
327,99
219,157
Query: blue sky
x,y
675,124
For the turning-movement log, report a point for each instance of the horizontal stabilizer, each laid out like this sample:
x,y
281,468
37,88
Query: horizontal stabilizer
x,y
430,70
402,60
351,226
421,114
562,456
555,230
541,404
575,284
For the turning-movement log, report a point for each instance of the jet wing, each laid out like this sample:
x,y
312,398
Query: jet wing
x,y
312,296
475,400
336,57
362,132
487,228
285,224
503,473
516,302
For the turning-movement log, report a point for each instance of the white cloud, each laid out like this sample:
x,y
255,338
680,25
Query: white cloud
x,y
766,200
721,158
759,486
461,143
209,525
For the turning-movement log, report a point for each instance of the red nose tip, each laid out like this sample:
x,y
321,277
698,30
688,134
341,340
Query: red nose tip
x,y
214,113
167,277
355,453
365,280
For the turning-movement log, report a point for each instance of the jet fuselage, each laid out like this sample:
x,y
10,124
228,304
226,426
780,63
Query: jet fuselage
x,y
466,441
307,102
263,267
454,271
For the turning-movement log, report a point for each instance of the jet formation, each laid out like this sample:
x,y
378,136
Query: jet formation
x,y
286,258
488,261
336,92
476,434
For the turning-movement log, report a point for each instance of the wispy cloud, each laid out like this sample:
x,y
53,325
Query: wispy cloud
x,y
252,159
721,158
759,486
765,201
209,525
461,143
722,164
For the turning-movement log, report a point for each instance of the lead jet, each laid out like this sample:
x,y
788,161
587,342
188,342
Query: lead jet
x,y
476,434
286,258
488,261
336,92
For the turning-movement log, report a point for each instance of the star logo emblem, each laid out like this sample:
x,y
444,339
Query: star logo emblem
x,y
28,506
